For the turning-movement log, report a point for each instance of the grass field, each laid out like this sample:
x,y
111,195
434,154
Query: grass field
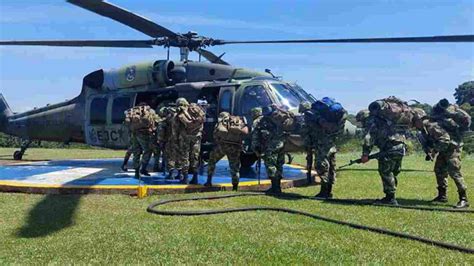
x,y
100,229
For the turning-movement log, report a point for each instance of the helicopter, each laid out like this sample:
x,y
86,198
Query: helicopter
x,y
96,115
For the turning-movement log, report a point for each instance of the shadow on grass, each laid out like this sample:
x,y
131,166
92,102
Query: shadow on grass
x,y
53,213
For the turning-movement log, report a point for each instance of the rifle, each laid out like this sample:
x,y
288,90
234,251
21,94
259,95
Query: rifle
x,y
309,165
259,166
426,145
358,161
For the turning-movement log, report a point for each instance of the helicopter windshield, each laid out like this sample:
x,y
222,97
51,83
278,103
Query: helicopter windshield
x,y
302,93
287,96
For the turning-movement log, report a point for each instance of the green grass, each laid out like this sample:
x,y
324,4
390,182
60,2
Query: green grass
x,y
34,154
99,229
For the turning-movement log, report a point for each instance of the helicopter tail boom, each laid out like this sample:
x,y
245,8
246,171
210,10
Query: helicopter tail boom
x,y
5,112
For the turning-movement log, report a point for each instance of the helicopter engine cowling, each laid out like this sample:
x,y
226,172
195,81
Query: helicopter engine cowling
x,y
159,73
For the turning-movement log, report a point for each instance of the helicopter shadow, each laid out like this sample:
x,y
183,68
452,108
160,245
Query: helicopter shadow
x,y
53,213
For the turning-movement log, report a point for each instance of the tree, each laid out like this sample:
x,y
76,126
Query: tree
x,y
465,93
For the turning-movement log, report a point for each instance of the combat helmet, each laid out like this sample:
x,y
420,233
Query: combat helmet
x,y
362,115
256,112
304,106
181,102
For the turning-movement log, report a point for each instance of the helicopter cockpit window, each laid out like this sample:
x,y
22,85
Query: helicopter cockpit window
x,y
119,107
98,112
226,101
254,96
286,96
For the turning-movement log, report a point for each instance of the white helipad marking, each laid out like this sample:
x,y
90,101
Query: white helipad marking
x,y
61,177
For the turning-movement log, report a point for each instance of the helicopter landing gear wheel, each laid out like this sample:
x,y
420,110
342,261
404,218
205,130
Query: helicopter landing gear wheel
x,y
17,155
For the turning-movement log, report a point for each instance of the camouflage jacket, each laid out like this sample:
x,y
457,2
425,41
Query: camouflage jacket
x,y
320,133
436,138
387,137
267,137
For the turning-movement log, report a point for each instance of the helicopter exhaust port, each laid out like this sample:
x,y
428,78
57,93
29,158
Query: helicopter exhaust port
x,y
161,73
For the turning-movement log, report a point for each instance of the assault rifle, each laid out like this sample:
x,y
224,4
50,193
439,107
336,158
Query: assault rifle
x,y
309,165
358,161
259,166
426,145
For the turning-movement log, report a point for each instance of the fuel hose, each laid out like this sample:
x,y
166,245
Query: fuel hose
x,y
152,208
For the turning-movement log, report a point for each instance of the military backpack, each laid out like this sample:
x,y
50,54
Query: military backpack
x,y
393,110
452,117
230,129
141,118
192,118
283,118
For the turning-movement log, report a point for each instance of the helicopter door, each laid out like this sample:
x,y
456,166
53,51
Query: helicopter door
x,y
104,121
226,99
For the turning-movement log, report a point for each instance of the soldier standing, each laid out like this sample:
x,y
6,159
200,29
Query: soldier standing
x,y
455,122
166,139
268,141
324,123
141,122
228,136
387,130
188,125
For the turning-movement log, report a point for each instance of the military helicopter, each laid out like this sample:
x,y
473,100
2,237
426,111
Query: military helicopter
x,y
96,116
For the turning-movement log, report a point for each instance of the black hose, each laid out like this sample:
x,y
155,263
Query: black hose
x,y
151,209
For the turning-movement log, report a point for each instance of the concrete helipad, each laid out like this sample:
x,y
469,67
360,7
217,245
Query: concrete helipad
x,y
105,176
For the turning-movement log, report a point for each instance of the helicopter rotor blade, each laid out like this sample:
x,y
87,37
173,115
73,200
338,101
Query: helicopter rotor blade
x,y
211,57
445,38
125,17
86,43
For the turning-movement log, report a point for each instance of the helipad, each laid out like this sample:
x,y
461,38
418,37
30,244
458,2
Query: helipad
x,y
105,176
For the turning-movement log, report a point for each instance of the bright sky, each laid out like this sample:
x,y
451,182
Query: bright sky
x,y
355,74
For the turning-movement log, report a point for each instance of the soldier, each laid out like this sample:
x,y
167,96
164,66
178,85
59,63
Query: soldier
x,y
141,122
228,136
446,128
388,134
188,127
362,117
166,139
268,140
323,125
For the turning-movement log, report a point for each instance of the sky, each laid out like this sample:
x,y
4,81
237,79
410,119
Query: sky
x,y
354,74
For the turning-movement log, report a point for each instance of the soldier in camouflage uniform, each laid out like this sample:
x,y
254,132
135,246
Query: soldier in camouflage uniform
x,y
268,141
166,139
390,139
229,149
141,141
188,145
320,135
447,142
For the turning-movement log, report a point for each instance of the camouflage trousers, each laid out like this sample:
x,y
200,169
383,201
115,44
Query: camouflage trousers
x,y
449,163
169,154
389,168
141,145
232,152
326,164
187,155
156,150
274,161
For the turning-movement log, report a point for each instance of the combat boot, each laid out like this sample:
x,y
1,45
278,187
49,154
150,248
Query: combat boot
x,y
235,185
209,181
389,199
124,167
442,197
157,168
277,187
323,193
194,180
463,203
143,171
271,190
